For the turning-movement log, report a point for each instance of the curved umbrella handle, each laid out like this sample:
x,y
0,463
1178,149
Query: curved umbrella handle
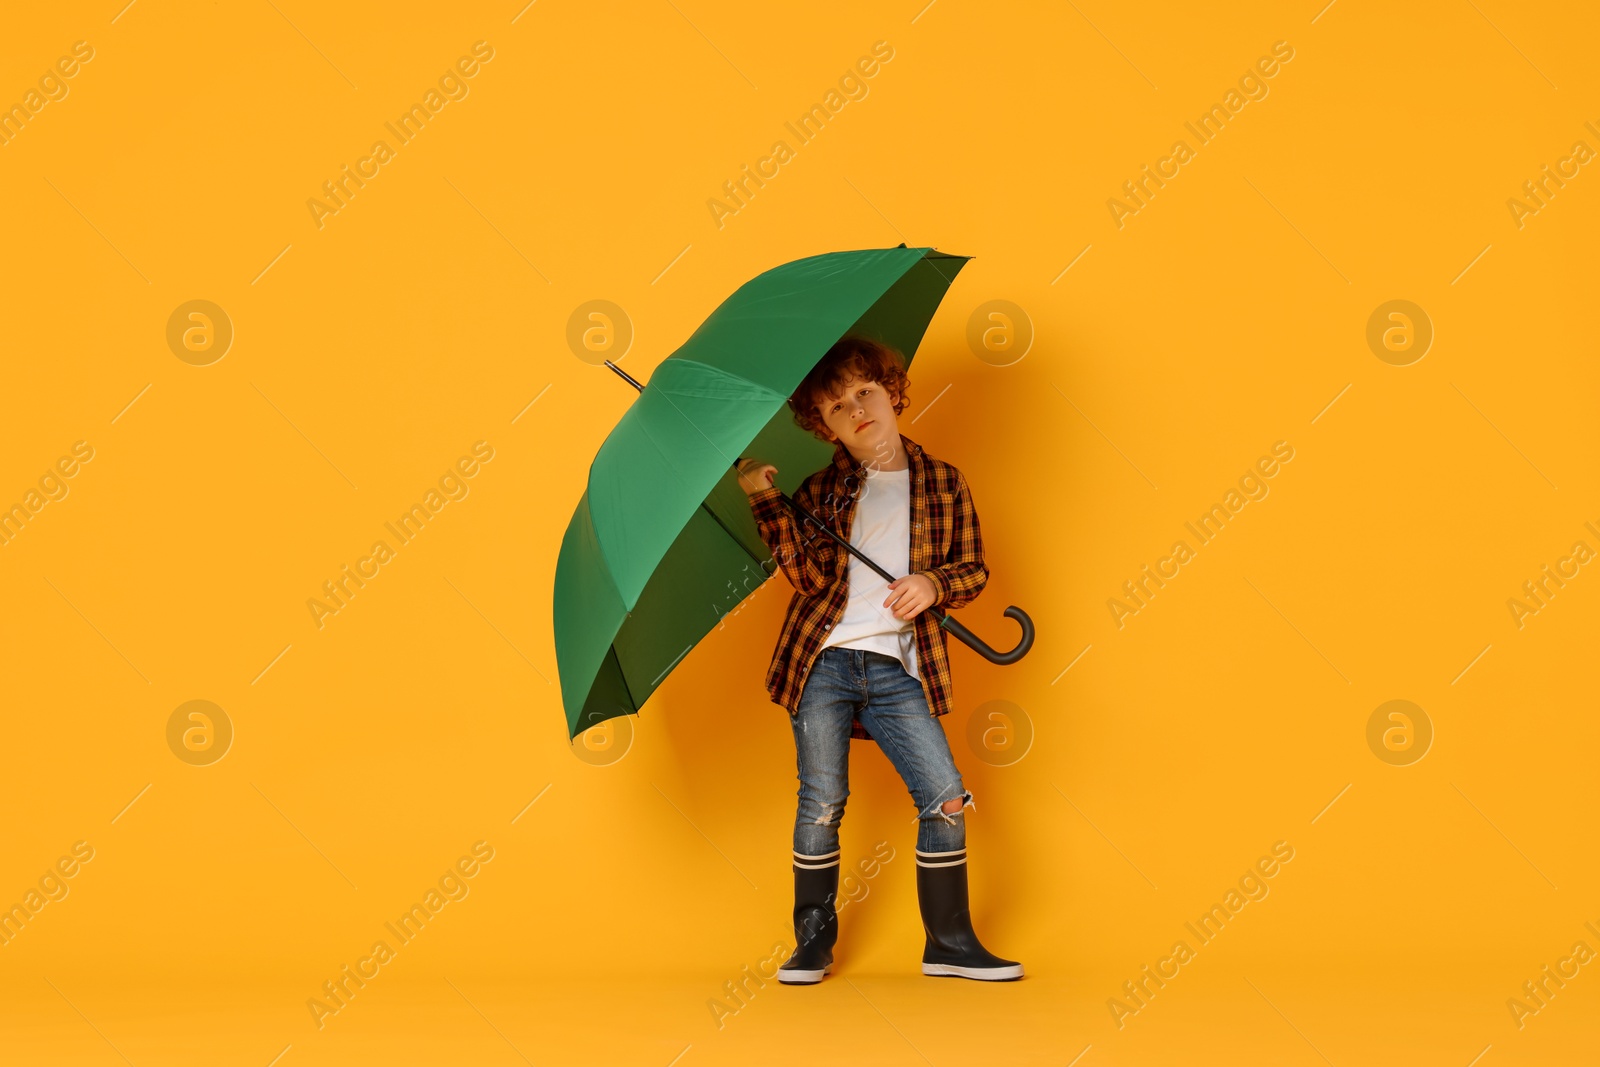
x,y
945,620
968,637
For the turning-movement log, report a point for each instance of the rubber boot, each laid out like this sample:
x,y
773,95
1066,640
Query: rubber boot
x,y
816,922
953,949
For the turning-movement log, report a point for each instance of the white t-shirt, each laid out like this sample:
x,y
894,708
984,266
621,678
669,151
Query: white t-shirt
x,y
880,530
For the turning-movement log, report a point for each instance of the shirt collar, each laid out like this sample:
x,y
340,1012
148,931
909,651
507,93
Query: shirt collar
x,y
848,463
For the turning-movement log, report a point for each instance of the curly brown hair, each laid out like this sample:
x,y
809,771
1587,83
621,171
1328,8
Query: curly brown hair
x,y
863,357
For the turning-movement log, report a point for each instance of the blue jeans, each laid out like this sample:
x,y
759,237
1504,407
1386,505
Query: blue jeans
x,y
894,711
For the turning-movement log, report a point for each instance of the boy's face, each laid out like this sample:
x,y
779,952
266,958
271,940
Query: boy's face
x,y
862,417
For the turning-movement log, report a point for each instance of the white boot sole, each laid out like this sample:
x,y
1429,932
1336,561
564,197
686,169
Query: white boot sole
x,y
982,974
793,977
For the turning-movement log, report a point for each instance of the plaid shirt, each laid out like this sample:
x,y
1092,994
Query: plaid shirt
x,y
946,547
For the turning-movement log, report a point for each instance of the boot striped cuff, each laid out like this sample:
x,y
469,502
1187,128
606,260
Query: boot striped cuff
x,y
941,859
816,863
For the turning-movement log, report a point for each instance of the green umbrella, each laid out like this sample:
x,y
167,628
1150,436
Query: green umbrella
x,y
663,543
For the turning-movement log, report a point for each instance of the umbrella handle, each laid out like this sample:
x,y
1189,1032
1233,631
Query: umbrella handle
x,y
965,635
981,648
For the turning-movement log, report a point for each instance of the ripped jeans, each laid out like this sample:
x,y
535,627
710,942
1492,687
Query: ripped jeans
x,y
894,710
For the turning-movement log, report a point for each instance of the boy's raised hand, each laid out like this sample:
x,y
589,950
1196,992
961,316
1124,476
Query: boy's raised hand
x,y
755,476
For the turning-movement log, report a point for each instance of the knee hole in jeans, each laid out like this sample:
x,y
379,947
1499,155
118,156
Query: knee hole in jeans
x,y
947,813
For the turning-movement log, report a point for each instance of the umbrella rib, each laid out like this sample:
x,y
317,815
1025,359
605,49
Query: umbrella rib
x,y
665,395
718,520
627,687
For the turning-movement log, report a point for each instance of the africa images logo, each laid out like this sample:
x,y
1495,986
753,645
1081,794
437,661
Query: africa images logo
x,y
1252,86
453,486
341,190
452,885
1252,886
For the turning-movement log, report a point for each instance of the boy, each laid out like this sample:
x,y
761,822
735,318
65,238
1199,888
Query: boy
x,y
857,654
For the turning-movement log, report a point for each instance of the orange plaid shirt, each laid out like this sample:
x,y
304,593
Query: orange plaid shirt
x,y
946,547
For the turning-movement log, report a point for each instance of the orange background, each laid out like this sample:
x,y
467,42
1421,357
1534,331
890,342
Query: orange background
x,y
431,311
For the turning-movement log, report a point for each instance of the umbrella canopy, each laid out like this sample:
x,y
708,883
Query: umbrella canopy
x,y
663,543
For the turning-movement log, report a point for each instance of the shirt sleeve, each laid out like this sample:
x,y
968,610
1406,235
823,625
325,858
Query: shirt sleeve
x,y
961,577
799,557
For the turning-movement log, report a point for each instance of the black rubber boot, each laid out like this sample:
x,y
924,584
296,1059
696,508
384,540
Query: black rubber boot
x,y
816,922
953,949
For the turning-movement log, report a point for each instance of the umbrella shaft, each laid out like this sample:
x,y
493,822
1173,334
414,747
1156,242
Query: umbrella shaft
x,y
625,376
848,547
